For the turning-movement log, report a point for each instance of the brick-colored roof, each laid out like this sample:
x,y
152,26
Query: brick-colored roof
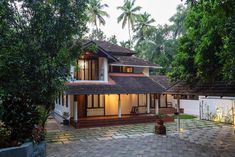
x,y
111,48
164,81
133,61
122,85
218,88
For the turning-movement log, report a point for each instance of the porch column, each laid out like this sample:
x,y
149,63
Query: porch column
x,y
75,111
148,103
178,110
157,106
119,106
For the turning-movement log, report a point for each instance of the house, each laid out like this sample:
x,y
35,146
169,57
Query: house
x,y
109,85
211,101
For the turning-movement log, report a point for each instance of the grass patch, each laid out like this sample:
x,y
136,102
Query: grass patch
x,y
186,116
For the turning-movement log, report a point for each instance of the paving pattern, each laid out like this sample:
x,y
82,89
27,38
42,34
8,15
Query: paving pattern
x,y
197,138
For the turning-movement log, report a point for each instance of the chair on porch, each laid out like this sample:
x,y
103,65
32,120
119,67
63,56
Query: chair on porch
x,y
134,110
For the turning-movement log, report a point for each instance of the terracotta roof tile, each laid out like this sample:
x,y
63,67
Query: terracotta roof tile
x,y
218,88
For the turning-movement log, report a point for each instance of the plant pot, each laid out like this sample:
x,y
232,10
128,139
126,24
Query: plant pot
x,y
27,149
66,122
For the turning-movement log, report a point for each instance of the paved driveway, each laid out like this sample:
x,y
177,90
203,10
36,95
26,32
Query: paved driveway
x,y
197,138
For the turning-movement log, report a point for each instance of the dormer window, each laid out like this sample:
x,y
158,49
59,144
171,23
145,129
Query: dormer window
x,y
120,69
87,69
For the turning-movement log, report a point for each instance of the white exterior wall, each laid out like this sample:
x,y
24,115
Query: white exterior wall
x,y
60,109
190,106
103,69
220,107
146,71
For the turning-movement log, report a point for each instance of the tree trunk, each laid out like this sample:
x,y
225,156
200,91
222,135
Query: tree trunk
x,y
129,30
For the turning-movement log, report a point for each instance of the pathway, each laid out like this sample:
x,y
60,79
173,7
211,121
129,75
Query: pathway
x,y
197,138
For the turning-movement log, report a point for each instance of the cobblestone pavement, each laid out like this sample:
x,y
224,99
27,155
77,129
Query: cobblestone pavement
x,y
197,138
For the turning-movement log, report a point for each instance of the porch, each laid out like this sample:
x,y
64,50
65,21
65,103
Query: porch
x,y
115,120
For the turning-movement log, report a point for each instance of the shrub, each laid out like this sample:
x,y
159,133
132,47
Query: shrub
x,y
5,135
38,133
21,115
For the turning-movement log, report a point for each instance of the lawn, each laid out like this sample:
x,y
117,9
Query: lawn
x,y
186,116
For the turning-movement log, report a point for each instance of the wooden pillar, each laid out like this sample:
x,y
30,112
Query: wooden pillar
x,y
148,103
119,106
178,110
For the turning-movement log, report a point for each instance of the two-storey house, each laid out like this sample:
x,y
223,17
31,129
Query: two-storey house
x,y
111,86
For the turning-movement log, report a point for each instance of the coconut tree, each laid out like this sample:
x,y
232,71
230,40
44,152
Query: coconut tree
x,y
128,15
96,13
143,25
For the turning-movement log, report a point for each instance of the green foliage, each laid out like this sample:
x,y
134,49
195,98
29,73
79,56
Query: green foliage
x,y
37,46
128,15
97,34
142,27
21,116
43,115
186,116
125,44
5,135
113,40
96,13
91,48
38,134
158,44
36,52
206,50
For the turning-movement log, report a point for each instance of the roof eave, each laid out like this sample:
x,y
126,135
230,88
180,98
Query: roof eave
x,y
139,66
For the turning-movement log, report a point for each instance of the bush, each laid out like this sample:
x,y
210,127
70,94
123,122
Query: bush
x,y
5,135
38,134
21,115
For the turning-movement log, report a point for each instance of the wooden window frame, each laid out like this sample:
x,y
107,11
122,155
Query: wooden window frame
x,y
92,100
66,101
121,69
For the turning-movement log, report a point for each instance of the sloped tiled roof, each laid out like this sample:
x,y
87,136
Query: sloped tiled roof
x,y
164,81
218,88
121,85
111,48
133,61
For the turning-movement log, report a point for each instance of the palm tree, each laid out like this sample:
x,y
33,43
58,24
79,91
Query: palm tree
x,y
143,27
96,13
128,15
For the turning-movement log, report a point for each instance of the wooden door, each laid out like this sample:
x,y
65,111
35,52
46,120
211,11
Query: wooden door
x,y
81,106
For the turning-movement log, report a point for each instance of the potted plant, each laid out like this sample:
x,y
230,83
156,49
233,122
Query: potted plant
x,y
66,118
159,125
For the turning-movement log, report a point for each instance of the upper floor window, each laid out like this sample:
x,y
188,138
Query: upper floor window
x,y
118,69
87,69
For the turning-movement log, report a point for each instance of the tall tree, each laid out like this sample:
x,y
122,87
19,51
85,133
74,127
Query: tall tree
x,y
206,50
97,34
113,39
178,21
37,47
143,24
128,15
96,13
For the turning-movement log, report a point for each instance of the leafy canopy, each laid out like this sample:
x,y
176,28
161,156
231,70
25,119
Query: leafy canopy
x,y
206,50
37,45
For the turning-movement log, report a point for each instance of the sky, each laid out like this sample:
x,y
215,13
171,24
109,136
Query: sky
x,y
160,10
